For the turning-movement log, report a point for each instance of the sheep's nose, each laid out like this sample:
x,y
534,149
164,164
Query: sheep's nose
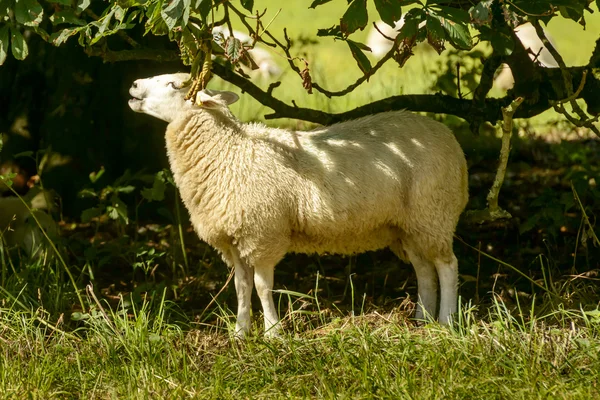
x,y
135,84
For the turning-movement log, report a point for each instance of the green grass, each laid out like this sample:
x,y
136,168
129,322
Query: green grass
x,y
158,346
141,354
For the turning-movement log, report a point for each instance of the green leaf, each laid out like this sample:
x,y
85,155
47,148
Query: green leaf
x,y
317,3
204,7
3,48
5,7
18,44
126,189
103,24
455,23
67,16
60,37
82,5
233,49
412,19
118,210
78,316
248,4
434,27
29,12
333,31
7,179
361,59
90,213
157,192
355,17
94,176
389,11
573,8
173,12
481,13
63,2
502,43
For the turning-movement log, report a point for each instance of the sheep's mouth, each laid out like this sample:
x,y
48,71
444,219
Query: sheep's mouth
x,y
135,103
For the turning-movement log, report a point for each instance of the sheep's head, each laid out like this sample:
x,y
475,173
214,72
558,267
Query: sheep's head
x,y
163,96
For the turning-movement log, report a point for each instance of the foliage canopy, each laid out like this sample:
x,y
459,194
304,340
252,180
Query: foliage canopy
x,y
116,30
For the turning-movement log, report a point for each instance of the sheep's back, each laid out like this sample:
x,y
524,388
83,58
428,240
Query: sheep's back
x,y
365,182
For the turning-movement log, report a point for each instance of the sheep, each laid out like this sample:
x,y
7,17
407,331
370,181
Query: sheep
x,y
394,179
537,51
504,79
18,228
380,45
267,67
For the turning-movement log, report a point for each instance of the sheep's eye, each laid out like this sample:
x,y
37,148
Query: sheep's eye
x,y
172,84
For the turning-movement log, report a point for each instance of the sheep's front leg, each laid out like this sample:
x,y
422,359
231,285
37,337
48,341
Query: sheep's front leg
x,y
263,279
243,289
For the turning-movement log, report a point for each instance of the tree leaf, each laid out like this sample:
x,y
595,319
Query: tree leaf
x,y
233,49
28,12
60,37
3,50
361,59
355,17
434,27
248,4
186,12
172,12
5,7
335,31
412,19
389,11
82,5
316,3
63,2
455,23
502,43
18,44
67,16
204,7
573,8
481,13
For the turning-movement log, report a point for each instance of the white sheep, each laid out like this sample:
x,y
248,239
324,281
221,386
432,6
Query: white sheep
x,y
380,44
394,179
504,79
537,51
267,67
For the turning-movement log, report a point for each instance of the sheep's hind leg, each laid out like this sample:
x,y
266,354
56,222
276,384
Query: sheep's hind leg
x,y
263,279
243,289
427,283
447,270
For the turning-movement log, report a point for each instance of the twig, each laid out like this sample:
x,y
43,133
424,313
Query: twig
x,y
584,120
507,126
231,274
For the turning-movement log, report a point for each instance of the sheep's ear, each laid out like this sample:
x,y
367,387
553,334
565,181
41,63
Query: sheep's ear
x,y
215,98
229,97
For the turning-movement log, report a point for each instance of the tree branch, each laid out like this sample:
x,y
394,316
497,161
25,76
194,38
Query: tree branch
x,y
434,103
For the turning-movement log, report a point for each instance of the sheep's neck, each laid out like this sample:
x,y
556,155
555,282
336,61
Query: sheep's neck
x,y
201,146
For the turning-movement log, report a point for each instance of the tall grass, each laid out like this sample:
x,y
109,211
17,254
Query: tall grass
x,y
141,353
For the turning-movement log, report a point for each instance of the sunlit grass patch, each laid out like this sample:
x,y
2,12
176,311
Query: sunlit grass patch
x,y
138,353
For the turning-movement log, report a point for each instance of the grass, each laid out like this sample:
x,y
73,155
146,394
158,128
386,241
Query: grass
x,y
131,353
153,344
